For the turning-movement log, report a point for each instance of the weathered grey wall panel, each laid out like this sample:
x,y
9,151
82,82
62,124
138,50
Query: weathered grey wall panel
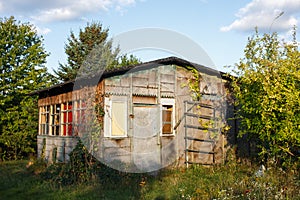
x,y
63,146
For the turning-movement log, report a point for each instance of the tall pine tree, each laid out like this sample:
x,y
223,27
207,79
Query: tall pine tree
x,y
78,48
22,59
90,52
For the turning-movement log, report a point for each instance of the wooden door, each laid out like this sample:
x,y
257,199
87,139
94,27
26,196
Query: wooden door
x,y
146,133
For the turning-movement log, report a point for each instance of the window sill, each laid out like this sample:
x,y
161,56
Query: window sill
x,y
116,137
59,136
168,135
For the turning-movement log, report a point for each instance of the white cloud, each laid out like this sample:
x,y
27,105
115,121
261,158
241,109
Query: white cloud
x,y
42,31
56,14
57,10
266,15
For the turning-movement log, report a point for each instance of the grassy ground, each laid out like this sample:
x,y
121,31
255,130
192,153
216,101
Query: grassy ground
x,y
234,181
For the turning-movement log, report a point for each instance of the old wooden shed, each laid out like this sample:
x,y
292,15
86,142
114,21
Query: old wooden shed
x,y
139,118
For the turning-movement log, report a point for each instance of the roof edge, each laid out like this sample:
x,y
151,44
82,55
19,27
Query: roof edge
x,y
162,61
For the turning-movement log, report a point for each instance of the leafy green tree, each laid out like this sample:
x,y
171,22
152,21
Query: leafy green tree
x,y
267,90
22,59
92,51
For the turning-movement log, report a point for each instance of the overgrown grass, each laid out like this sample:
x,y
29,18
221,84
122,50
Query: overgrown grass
x,y
224,182
229,181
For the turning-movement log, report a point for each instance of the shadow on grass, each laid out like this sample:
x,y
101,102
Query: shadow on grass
x,y
18,182
232,181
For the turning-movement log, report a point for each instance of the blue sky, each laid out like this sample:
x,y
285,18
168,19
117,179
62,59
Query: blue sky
x,y
219,27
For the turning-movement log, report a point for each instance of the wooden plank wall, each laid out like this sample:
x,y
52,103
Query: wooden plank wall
x,y
83,93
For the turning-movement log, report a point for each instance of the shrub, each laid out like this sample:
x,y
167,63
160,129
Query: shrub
x,y
267,90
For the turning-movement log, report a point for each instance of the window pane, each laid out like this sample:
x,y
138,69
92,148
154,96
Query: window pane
x,y
118,123
56,130
44,120
70,116
167,119
67,118
70,130
167,129
56,120
47,114
167,116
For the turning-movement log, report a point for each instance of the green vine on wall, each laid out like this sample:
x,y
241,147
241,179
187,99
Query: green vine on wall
x,y
194,87
194,83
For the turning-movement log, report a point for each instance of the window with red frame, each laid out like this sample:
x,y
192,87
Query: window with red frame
x,y
67,119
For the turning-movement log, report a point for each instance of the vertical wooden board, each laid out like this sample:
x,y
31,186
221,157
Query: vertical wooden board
x,y
182,88
169,150
125,81
167,80
219,151
40,145
152,79
181,94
